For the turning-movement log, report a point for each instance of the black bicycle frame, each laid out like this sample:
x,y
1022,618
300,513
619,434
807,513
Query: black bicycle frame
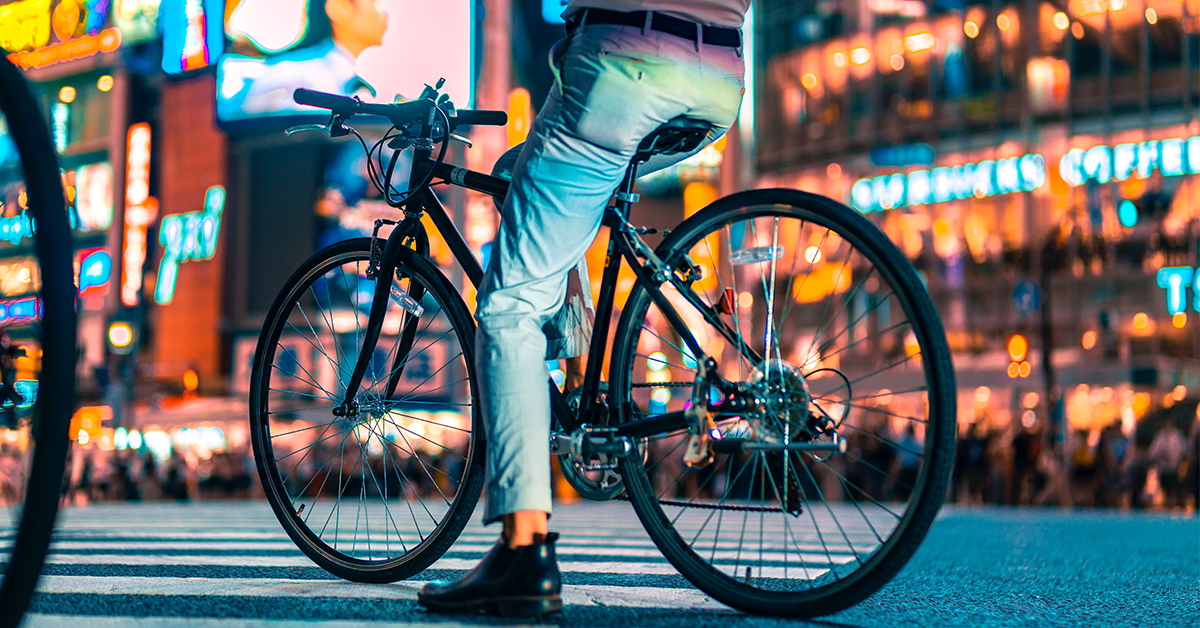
x,y
621,241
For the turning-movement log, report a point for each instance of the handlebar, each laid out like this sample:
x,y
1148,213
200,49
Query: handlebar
x,y
398,113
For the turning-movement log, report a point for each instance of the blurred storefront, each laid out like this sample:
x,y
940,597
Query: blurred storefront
x,y
1036,163
80,53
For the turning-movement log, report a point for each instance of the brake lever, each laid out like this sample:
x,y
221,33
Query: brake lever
x,y
456,136
300,128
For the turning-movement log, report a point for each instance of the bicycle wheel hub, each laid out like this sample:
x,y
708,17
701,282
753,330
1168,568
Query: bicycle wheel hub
x,y
783,403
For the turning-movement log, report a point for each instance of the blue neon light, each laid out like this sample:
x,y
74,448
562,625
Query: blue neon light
x,y
1176,281
191,236
95,269
1171,157
942,184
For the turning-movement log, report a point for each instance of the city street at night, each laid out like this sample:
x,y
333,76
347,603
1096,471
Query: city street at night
x,y
839,313
227,564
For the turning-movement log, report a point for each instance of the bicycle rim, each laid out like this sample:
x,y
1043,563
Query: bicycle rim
x,y
846,334
41,324
379,495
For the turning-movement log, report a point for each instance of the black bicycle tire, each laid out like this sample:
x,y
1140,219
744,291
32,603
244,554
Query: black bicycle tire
x,y
434,546
934,477
56,395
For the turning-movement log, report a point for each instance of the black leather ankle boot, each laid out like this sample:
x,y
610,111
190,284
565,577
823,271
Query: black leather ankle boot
x,y
521,582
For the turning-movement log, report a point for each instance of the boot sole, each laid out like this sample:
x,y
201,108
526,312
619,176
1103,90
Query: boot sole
x,y
525,606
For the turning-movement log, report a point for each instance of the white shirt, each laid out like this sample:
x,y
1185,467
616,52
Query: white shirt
x,y
728,13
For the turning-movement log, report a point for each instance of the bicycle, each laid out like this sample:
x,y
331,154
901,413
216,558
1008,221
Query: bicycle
x,y
37,352
768,437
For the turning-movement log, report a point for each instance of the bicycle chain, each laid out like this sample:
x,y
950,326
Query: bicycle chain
x,y
664,385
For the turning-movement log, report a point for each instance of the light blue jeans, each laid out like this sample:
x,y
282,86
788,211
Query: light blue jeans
x,y
616,84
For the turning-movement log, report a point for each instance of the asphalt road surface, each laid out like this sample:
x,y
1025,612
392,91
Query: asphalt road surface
x,y
229,565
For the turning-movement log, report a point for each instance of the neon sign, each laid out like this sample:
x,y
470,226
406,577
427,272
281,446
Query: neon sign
x,y
107,40
60,118
94,271
190,41
1176,281
140,210
1171,157
16,311
16,228
19,277
185,237
25,24
947,183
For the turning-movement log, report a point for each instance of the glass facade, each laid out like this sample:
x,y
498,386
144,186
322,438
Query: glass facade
x,y
1034,161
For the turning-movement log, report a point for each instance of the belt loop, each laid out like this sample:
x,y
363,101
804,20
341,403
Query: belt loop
x,y
646,24
699,35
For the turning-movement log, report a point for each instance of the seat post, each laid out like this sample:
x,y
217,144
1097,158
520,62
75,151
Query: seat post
x,y
625,195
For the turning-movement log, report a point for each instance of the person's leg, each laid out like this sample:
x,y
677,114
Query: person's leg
x,y
579,147
577,151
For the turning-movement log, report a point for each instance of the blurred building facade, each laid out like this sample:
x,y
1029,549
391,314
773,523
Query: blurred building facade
x,y
1037,162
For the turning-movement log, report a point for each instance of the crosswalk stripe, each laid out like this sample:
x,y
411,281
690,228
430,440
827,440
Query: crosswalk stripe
x,y
164,562
578,595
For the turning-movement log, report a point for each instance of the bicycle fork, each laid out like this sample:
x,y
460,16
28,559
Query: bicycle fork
x,y
384,268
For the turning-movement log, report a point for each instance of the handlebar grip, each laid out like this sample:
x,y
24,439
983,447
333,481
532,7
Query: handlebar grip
x,y
340,104
481,117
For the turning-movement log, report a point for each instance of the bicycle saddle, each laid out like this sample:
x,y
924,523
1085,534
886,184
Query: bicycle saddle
x,y
677,135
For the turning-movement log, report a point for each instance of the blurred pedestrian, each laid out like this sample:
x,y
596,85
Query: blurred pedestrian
x,y
908,462
1113,462
1193,474
1166,455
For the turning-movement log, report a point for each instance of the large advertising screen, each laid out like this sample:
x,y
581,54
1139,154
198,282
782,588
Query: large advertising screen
x,y
38,33
379,50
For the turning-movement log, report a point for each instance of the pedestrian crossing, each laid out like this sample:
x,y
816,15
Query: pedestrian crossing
x,y
229,563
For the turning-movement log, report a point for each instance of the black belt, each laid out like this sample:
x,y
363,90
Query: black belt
x,y
710,35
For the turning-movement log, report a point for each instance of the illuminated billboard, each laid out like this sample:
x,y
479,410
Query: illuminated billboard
x,y
379,50
192,36
43,32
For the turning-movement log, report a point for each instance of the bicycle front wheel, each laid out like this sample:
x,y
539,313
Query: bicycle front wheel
x,y
37,346
407,466
829,329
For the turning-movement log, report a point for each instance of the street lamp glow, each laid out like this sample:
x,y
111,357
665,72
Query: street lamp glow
x,y
120,335
656,361
971,29
1017,347
1061,21
919,42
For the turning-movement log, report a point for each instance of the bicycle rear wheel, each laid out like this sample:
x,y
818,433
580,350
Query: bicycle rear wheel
x,y
845,340
41,323
408,468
